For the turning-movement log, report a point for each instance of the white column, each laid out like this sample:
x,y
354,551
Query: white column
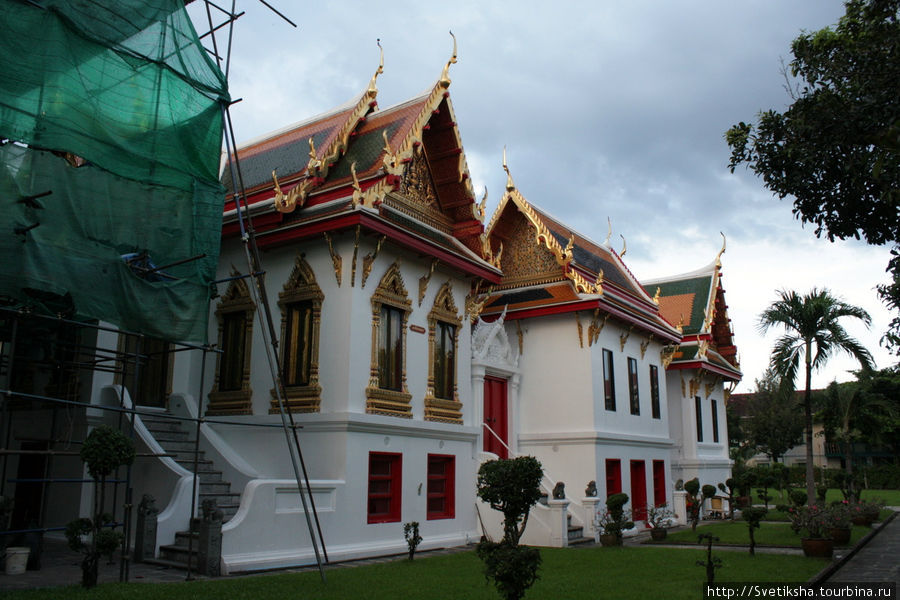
x,y
591,506
559,523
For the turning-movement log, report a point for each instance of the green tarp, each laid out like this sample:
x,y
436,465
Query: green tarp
x,y
126,87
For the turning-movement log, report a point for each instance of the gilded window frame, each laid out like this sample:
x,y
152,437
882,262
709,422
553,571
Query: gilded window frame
x,y
445,410
391,291
234,402
300,286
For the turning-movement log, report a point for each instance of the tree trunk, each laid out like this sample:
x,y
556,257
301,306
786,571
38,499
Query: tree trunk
x,y
808,424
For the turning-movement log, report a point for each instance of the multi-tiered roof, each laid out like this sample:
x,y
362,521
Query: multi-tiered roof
x,y
399,173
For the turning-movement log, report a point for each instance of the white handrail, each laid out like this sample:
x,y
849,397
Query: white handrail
x,y
515,455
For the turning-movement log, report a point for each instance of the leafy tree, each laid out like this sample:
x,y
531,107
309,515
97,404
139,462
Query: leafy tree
x,y
511,486
775,425
812,334
836,149
850,415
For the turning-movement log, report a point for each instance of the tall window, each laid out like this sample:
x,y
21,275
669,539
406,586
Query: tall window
x,y
386,393
146,369
613,476
301,314
715,421
698,409
385,487
444,360
234,338
441,486
609,380
633,387
390,349
441,398
231,393
654,391
659,482
297,342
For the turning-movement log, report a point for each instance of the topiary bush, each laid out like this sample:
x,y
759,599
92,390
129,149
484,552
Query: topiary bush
x,y
511,486
753,515
104,450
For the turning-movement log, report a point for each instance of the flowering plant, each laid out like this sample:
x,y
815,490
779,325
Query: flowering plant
x,y
659,517
841,514
813,519
867,510
614,523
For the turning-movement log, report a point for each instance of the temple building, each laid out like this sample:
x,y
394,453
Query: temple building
x,y
416,339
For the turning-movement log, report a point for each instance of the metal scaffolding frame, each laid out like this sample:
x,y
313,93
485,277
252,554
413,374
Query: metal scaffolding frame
x,y
119,360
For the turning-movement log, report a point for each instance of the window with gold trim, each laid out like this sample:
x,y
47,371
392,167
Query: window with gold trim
x,y
387,393
441,397
301,315
231,393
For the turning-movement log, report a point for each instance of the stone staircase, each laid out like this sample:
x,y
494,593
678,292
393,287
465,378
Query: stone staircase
x,y
174,439
575,533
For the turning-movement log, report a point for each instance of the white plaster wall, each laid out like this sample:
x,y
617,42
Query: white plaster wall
x,y
555,387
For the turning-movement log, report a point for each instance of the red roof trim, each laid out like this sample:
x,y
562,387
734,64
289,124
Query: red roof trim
x,y
707,366
271,239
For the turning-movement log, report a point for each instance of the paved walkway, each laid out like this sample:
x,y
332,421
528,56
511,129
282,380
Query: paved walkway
x,y
877,562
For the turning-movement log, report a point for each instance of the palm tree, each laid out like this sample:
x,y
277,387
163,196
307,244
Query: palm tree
x,y
812,334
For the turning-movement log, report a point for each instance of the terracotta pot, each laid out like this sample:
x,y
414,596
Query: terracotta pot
x,y
817,547
864,521
658,534
840,535
610,539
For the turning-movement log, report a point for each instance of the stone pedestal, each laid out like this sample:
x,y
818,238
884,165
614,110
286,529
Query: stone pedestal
x,y
145,531
679,505
591,506
209,551
559,523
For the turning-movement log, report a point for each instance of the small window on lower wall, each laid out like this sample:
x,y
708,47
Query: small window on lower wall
x,y
441,486
385,470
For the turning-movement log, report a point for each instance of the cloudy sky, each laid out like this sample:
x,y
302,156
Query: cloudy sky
x,y
607,109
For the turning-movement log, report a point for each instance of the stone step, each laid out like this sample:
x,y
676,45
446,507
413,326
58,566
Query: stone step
x,y
165,435
214,488
161,423
170,564
203,465
575,532
186,447
177,554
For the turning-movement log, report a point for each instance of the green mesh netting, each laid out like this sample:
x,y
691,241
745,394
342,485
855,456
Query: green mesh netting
x,y
126,87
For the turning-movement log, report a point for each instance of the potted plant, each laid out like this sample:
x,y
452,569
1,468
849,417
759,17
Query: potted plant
x,y
840,515
865,513
658,519
815,521
614,520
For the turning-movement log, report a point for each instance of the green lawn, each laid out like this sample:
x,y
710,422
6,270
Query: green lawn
x,y
889,497
768,534
589,573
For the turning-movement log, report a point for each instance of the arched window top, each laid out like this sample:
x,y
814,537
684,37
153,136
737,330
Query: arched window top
x,y
301,284
236,296
391,289
444,308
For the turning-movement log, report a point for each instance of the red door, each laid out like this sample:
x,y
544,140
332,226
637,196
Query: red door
x,y
495,416
638,490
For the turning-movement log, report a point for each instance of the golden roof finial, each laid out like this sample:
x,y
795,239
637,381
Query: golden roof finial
x,y
568,251
510,186
624,246
608,231
357,191
373,89
445,76
482,206
721,252
313,163
656,295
